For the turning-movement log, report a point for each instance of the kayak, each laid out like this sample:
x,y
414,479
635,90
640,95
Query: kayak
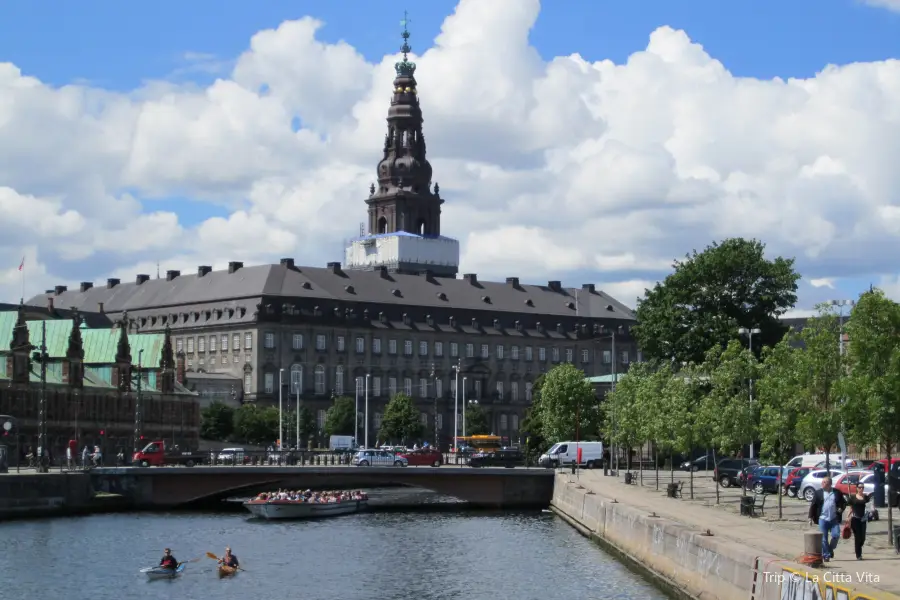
x,y
226,571
161,573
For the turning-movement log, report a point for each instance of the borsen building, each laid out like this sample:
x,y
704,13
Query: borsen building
x,y
394,310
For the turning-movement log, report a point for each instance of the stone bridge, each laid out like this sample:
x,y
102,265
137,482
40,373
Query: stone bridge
x,y
169,487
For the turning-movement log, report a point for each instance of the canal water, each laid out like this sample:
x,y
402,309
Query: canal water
x,y
374,556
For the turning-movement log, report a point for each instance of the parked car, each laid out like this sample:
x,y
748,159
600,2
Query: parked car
x,y
230,456
728,470
793,479
813,482
835,461
500,458
424,457
764,479
845,481
703,463
379,458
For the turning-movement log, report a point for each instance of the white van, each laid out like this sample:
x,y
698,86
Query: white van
x,y
565,453
814,460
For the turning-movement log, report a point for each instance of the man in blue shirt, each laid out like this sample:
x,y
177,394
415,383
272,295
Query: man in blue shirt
x,y
826,511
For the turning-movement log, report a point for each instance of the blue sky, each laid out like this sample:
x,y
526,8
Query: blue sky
x,y
119,46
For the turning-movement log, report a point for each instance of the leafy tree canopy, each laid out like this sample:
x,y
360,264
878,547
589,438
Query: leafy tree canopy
x,y
532,426
777,392
568,404
401,421
477,420
710,295
216,422
726,408
256,425
341,417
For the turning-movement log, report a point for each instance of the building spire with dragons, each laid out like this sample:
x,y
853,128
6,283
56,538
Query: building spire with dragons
x,y
403,208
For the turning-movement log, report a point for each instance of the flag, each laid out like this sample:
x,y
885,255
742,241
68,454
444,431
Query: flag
x,y
22,264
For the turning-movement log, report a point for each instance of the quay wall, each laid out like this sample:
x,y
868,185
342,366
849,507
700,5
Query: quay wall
x,y
50,494
689,562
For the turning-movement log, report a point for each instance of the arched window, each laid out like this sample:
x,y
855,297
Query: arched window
x,y
320,379
296,379
420,228
382,225
339,380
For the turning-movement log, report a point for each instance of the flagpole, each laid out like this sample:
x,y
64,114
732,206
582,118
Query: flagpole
x,y
22,269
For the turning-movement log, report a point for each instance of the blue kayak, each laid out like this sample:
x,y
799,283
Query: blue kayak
x,y
161,573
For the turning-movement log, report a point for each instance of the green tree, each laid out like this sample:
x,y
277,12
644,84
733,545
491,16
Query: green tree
x,y
255,425
477,420
710,295
625,419
726,410
820,369
307,427
341,417
216,422
777,394
682,396
569,405
532,426
872,409
659,427
401,421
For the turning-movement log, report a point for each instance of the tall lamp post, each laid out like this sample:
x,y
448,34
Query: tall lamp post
x,y
359,384
464,406
437,431
280,408
366,416
841,305
137,401
42,465
456,368
750,333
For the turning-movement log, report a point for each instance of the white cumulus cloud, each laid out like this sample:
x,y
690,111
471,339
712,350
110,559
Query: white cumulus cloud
x,y
562,169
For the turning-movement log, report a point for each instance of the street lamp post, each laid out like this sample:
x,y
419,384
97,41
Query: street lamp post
x,y
280,410
137,402
464,406
456,407
367,411
437,431
356,416
841,305
750,333
41,464
299,384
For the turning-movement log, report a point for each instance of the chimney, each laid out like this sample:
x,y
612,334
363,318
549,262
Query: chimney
x,y
234,266
334,267
203,270
100,307
382,272
171,275
111,283
50,304
513,281
59,289
556,286
589,287
428,275
472,278
179,368
85,286
141,279
287,262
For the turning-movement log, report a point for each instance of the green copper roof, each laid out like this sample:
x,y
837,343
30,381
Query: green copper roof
x,y
605,378
100,347
7,324
57,336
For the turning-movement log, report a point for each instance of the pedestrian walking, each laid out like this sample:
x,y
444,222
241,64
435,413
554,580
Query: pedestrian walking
x,y
858,518
826,511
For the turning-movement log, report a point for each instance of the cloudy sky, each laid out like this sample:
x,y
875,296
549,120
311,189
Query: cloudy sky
x,y
580,140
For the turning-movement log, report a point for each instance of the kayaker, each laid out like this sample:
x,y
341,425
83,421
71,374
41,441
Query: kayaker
x,y
168,561
229,560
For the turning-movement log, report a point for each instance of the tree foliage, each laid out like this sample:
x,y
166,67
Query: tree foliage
x,y
477,420
710,295
341,417
256,425
401,421
727,411
777,392
532,425
216,422
569,405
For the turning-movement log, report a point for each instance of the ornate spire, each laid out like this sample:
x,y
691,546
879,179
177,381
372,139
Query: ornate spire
x,y
19,339
167,359
405,68
123,349
76,347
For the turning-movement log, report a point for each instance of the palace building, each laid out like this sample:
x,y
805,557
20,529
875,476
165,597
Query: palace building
x,y
394,310
102,383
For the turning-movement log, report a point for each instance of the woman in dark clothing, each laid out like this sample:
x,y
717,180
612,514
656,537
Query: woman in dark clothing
x,y
857,504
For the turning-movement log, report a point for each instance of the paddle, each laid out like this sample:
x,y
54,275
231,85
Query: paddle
x,y
216,558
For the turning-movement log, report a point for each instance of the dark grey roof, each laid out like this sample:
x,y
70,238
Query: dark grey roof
x,y
36,311
245,286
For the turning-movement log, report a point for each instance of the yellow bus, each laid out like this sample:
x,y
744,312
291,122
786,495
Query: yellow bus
x,y
481,443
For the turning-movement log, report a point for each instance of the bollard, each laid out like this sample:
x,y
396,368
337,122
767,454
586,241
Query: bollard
x,y
318,460
332,459
812,547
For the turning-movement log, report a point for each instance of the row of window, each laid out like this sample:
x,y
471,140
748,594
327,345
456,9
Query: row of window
x,y
423,387
501,352
507,422
210,343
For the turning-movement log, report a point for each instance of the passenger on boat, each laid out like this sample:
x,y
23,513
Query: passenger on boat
x,y
168,561
229,560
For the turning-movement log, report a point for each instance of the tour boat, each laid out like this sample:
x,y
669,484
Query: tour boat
x,y
226,571
162,573
289,509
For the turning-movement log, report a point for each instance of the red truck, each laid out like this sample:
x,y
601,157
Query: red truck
x,y
157,455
